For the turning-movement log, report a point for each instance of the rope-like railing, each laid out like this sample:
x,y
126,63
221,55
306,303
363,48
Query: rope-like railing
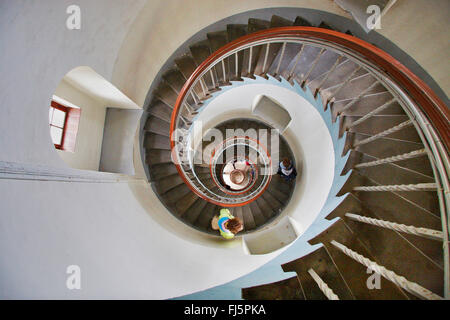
x,y
399,187
400,281
418,231
323,286
401,157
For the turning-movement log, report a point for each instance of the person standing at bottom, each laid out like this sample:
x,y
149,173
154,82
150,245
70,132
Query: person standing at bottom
x,y
227,224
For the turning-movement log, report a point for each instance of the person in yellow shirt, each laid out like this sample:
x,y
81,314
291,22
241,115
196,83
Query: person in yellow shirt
x,y
227,224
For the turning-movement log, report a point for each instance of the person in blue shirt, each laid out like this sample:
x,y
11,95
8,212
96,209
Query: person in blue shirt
x,y
287,170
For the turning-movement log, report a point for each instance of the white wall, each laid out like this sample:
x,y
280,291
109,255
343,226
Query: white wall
x,y
37,50
159,30
88,145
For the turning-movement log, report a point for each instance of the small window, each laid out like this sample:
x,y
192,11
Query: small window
x,y
63,122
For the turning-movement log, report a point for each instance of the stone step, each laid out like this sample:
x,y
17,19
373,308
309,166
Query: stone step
x,y
157,156
160,110
156,141
387,245
158,126
288,289
353,272
321,262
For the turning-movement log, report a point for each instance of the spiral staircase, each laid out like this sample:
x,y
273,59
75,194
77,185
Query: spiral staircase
x,y
392,208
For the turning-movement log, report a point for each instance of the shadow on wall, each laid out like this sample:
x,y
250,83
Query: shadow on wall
x,y
92,123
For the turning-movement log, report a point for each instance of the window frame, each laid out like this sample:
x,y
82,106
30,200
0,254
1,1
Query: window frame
x,y
66,110
70,128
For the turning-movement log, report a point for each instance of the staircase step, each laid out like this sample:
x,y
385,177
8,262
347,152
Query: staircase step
x,y
304,63
340,77
390,174
326,62
187,66
386,147
395,207
365,85
249,220
193,212
373,125
395,251
160,171
175,194
175,79
257,25
321,262
325,25
357,160
168,183
290,53
273,202
354,273
301,22
266,209
156,156
277,21
158,126
204,220
428,200
247,66
371,102
200,52
234,32
166,94
288,289
405,134
217,40
156,141
238,213
160,110
257,214
281,196
266,58
420,164
185,203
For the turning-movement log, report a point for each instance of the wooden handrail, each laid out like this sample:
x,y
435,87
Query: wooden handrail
x,y
418,91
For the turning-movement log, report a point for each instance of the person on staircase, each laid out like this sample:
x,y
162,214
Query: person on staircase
x,y
227,224
287,170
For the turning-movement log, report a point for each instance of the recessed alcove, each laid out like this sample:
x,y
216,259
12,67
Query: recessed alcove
x,y
92,123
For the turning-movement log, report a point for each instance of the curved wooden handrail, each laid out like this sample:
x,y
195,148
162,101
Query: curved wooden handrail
x,y
429,103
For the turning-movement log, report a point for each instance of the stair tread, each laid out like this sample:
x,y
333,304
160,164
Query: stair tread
x,y
156,125
194,211
156,141
300,21
249,220
160,110
321,262
175,79
354,273
288,289
388,246
156,156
